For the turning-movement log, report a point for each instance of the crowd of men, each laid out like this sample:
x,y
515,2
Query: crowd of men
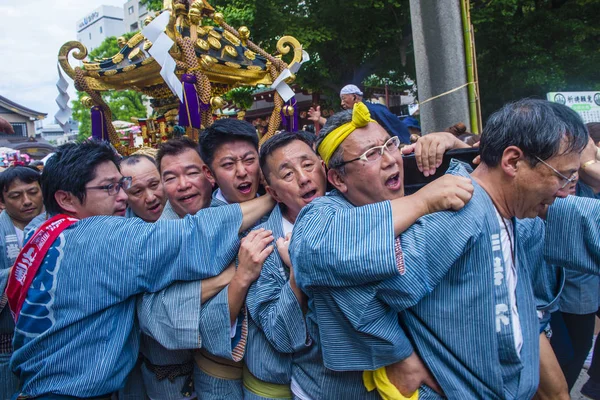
x,y
298,270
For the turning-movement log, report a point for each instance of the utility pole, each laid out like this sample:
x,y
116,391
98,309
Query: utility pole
x,y
440,62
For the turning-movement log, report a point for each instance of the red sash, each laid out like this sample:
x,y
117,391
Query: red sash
x,y
30,258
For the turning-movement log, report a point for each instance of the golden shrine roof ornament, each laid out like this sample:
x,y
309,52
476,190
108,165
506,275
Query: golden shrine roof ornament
x,y
209,60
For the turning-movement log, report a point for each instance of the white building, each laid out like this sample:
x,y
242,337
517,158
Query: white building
x,y
55,135
134,14
103,22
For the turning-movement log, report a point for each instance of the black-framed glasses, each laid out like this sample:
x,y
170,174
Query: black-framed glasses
x,y
375,153
572,179
114,188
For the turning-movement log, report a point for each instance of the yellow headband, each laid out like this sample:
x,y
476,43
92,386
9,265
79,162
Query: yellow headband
x,y
360,118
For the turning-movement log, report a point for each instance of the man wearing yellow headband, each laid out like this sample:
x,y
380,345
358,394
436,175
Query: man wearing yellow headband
x,y
462,283
365,167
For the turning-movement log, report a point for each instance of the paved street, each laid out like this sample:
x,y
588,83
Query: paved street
x,y
575,395
583,376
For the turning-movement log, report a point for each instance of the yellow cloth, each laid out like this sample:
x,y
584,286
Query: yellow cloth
x,y
379,380
265,389
360,118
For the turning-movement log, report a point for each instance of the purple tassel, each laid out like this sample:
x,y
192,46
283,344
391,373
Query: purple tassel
x,y
99,131
295,117
283,119
189,110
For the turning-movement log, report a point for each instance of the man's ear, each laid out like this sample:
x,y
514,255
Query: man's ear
x,y
262,180
209,175
273,193
337,180
510,158
67,201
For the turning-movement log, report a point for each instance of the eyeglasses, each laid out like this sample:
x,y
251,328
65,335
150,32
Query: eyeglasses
x,y
375,153
114,188
570,180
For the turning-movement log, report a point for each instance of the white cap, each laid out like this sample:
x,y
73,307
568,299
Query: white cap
x,y
351,89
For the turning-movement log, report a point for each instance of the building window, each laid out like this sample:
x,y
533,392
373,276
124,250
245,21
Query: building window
x,y
133,27
130,10
20,129
100,29
90,35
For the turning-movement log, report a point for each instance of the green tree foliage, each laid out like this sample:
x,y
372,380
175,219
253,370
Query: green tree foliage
x,y
531,47
81,114
524,47
123,104
241,97
348,40
152,5
359,39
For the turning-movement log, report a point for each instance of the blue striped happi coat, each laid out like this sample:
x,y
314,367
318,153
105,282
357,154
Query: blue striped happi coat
x,y
169,320
175,322
215,329
581,291
451,295
9,250
352,248
569,290
276,329
75,335
573,234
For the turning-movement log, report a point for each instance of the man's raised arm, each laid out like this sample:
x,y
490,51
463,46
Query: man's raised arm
x,y
254,210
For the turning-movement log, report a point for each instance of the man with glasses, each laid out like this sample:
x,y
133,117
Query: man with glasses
x,y
568,180
365,167
464,283
73,288
278,350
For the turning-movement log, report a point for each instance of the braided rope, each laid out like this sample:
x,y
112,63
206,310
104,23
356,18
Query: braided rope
x,y
82,86
275,119
203,86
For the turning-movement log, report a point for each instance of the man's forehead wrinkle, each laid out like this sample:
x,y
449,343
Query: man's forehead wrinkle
x,y
234,157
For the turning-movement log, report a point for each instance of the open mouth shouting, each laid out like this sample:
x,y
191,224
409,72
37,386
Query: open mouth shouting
x,y
188,198
155,208
309,196
393,182
245,187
